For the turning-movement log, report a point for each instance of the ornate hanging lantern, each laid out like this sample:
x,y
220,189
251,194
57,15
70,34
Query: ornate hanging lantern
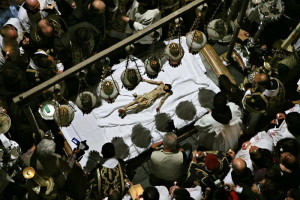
x,y
47,109
153,66
220,30
195,40
153,63
108,90
174,51
86,101
130,77
5,122
64,115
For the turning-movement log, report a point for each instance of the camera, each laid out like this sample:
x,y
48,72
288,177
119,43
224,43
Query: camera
x,y
80,145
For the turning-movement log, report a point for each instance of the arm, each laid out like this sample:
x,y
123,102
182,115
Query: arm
x,y
162,101
152,82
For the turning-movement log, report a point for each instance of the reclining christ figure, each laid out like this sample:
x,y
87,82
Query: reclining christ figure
x,y
147,99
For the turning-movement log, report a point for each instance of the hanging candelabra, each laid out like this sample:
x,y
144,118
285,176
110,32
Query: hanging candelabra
x,y
86,99
221,29
174,51
108,88
130,77
153,63
195,39
269,11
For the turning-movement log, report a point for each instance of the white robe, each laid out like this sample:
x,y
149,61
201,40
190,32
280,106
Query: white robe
x,y
141,21
23,16
17,24
227,135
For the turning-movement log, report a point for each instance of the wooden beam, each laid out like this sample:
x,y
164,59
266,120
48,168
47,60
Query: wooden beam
x,y
215,62
129,40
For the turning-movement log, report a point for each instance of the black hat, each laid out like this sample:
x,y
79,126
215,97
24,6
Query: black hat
x,y
108,150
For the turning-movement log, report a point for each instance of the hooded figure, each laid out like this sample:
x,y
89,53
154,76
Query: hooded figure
x,y
225,121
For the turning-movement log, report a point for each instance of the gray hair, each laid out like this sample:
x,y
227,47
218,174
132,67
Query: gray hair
x,y
45,148
170,141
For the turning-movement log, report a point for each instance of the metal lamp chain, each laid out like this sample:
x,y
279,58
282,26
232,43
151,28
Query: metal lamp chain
x,y
213,15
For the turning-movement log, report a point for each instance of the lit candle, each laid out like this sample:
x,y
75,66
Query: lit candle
x,y
29,173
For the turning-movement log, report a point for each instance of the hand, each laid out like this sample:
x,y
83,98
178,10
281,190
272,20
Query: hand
x,y
157,144
125,19
246,145
50,6
174,187
231,153
73,5
157,109
298,88
280,116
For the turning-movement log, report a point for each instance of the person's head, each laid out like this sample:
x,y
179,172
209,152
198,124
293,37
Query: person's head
x,y
82,35
170,141
269,189
181,194
286,152
97,7
168,88
33,5
239,165
151,193
261,157
212,162
45,148
287,145
292,121
262,79
9,31
220,100
114,195
221,112
45,28
108,150
42,60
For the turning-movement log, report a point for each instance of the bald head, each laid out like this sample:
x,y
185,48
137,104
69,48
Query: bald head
x,y
45,27
9,31
262,79
239,165
97,7
33,5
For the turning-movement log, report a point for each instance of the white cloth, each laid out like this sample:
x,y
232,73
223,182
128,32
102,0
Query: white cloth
x,y
17,24
103,123
265,140
227,135
23,16
195,193
110,163
142,20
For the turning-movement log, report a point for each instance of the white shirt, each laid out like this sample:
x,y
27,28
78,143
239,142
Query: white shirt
x,y
227,135
142,20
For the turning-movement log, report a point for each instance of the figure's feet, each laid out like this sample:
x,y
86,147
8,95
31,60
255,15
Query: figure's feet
x,y
134,95
122,112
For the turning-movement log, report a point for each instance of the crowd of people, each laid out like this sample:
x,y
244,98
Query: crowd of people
x,y
255,151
